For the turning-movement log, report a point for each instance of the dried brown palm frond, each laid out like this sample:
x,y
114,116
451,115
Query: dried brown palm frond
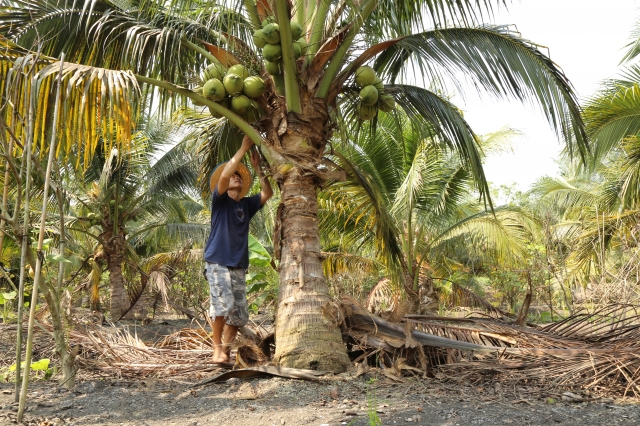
x,y
609,325
597,351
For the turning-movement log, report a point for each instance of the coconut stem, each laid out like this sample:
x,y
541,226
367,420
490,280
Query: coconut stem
x,y
292,94
336,61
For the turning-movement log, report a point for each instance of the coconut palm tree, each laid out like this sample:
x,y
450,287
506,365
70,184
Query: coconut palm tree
x,y
134,205
412,207
122,52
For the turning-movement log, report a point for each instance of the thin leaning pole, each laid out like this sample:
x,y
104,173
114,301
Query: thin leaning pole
x,y
43,217
25,237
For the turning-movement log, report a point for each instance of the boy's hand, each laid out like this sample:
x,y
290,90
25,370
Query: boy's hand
x,y
247,143
255,160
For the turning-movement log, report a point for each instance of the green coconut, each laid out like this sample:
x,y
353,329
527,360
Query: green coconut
x,y
253,86
297,49
365,76
226,102
272,33
214,114
273,68
198,90
303,45
253,113
240,70
386,102
214,71
367,112
378,84
233,84
258,39
214,89
296,30
369,95
268,20
240,104
272,52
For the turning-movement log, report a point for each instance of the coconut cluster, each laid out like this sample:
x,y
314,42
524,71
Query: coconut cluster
x,y
234,89
268,39
94,218
372,94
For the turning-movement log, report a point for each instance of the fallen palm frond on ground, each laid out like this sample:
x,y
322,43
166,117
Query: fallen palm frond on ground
x,y
596,352
120,353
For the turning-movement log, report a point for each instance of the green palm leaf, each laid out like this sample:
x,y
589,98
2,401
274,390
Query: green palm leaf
x,y
448,123
497,60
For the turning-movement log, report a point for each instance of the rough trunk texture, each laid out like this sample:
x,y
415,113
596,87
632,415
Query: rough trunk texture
x,y
114,253
307,331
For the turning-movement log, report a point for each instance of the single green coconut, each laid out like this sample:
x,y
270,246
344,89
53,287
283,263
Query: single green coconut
x,y
258,39
378,84
198,90
386,102
240,70
240,104
214,71
296,30
226,102
253,86
268,20
214,114
365,76
297,50
369,95
253,114
272,33
214,89
273,68
272,52
367,112
303,45
233,84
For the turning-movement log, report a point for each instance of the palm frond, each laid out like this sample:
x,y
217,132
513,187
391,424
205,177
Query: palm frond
x,y
613,114
449,124
495,59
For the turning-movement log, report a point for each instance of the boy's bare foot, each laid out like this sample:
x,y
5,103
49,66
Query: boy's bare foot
x,y
220,355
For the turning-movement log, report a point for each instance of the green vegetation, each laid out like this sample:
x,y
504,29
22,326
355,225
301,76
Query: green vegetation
x,y
380,183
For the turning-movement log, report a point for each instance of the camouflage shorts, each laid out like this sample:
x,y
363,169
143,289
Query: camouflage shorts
x,y
228,290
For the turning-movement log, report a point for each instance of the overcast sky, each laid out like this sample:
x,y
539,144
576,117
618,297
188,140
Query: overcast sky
x,y
586,38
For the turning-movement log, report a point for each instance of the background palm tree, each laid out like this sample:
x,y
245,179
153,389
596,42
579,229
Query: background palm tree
x,y
412,207
162,43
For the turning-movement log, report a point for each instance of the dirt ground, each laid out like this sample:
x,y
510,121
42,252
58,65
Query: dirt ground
x,y
331,400
337,400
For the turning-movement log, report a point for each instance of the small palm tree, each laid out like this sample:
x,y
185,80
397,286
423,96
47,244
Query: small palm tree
x,y
411,208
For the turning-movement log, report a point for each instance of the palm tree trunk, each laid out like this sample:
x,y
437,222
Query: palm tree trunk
x,y
307,330
113,250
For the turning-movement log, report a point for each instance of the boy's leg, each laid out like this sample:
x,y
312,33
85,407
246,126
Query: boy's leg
x,y
229,334
239,314
219,353
221,304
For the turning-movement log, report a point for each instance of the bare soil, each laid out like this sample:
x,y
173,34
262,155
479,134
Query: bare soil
x,y
344,399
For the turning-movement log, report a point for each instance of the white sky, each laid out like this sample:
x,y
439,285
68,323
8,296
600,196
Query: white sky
x,y
586,38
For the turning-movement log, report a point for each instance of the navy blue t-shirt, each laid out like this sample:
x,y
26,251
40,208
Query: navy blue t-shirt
x,y
228,242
